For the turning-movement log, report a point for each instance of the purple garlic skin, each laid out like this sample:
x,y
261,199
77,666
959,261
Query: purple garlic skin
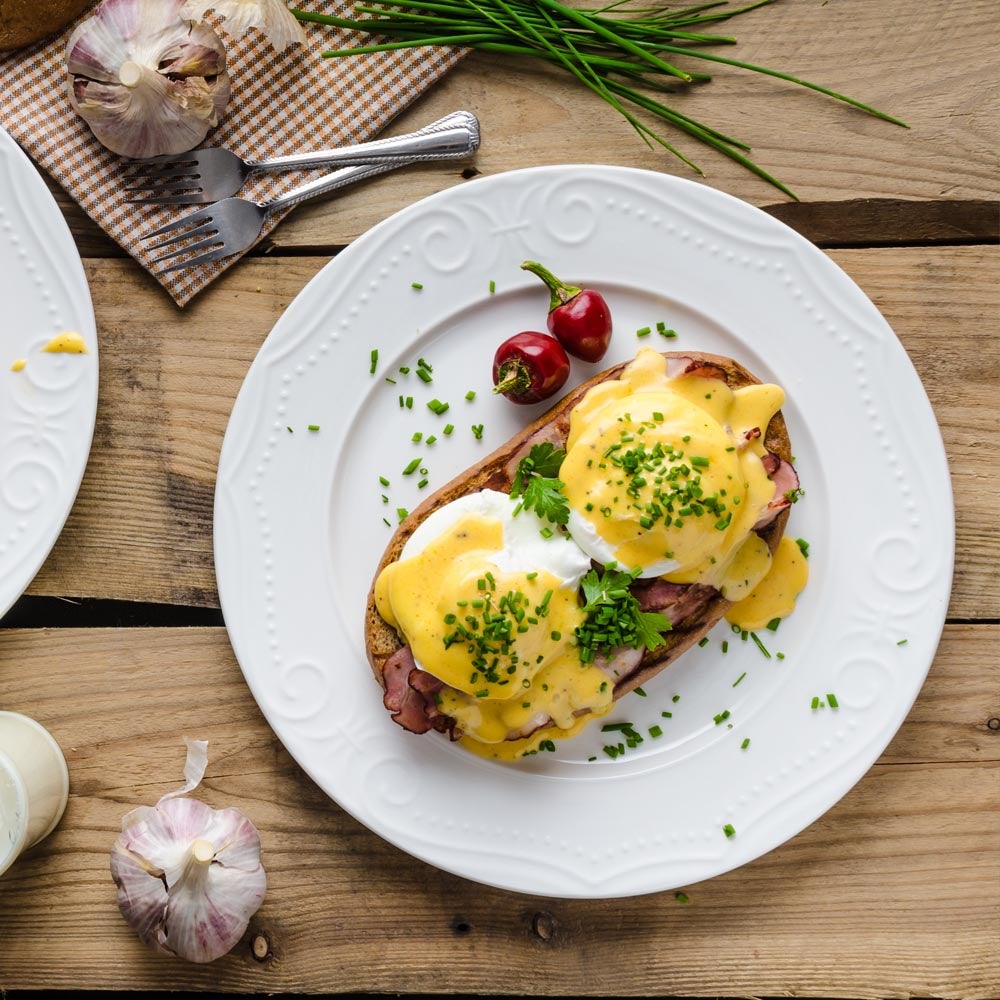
x,y
189,877
146,81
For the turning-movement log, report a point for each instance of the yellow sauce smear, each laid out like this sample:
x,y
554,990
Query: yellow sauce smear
x,y
66,343
774,596
18,366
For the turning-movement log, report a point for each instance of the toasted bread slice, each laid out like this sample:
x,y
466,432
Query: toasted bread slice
x,y
496,472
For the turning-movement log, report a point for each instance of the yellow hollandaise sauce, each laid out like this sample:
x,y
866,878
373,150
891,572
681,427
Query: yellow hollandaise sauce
x,y
18,366
67,342
665,475
501,639
773,596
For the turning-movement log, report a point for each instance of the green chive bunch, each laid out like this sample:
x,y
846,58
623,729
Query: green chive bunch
x,y
622,56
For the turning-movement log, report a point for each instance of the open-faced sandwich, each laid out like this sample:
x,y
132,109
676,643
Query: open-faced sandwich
x,y
527,595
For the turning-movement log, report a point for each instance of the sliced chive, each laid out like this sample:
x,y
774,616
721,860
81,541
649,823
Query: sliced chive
x,y
831,700
772,625
402,513
424,375
371,370
436,406
412,467
725,646
902,642
703,642
738,679
721,717
314,427
640,692
391,381
431,439
729,830
422,484
681,897
493,288
383,480
655,731
417,285
803,546
644,331
760,645
779,656
676,698
409,402
745,743
386,522
403,370
448,428
290,431
477,431
417,437
815,702
470,395
667,715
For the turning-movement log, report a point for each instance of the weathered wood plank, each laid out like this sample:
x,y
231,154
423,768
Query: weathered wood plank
x,y
167,389
929,64
891,894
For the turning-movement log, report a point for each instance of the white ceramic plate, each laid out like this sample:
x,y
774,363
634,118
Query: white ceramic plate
x,y
299,528
47,410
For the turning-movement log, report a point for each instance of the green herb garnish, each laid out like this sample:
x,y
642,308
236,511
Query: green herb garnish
x,y
536,482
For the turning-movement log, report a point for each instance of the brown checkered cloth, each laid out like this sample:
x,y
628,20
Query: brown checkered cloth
x,y
284,104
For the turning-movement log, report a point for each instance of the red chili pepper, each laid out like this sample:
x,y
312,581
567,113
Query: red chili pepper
x,y
529,367
579,318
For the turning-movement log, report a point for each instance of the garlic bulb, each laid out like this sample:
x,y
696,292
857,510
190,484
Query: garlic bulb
x,y
189,877
272,17
145,80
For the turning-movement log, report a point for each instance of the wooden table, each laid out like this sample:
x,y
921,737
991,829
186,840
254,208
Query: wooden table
x,y
894,892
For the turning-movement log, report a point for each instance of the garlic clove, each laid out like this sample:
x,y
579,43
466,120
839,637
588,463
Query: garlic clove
x,y
145,80
142,896
272,17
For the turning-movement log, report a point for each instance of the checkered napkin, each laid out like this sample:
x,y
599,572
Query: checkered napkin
x,y
284,104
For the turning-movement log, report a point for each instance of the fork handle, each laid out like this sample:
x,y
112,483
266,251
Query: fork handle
x,y
452,137
330,182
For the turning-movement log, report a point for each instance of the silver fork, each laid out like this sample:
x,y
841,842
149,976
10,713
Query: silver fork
x,y
206,175
231,225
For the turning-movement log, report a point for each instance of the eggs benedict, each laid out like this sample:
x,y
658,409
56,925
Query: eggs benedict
x,y
525,597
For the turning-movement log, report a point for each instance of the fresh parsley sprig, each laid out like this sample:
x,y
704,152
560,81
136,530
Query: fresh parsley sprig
x,y
538,485
614,616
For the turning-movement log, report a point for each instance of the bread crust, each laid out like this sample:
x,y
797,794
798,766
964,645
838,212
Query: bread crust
x,y
495,472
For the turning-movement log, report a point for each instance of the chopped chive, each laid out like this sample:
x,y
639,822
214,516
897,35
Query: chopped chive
x,y
422,484
470,395
760,645
402,513
815,702
655,731
371,370
314,427
644,331
391,381
403,370
640,692
436,406
738,679
681,897
667,715
417,437
721,717
412,467
676,698
409,402
902,642
803,546
703,642
424,375
417,285
493,288
779,656
431,439
728,830
386,523
477,431
772,625
546,532
290,431
831,700
448,428
725,646
745,743
383,480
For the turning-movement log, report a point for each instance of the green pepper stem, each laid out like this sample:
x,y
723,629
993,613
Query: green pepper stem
x,y
514,377
561,292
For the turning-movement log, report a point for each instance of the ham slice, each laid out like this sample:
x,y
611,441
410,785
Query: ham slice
x,y
409,695
786,482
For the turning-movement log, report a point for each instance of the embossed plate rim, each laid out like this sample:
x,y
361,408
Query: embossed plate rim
x,y
276,513
56,395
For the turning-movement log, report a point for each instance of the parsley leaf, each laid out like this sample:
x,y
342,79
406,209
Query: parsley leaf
x,y
537,481
614,617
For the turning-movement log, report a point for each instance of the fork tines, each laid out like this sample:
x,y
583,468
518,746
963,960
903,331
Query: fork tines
x,y
198,224
162,180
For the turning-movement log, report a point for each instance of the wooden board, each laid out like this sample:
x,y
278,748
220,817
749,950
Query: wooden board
x,y
890,894
167,390
929,64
